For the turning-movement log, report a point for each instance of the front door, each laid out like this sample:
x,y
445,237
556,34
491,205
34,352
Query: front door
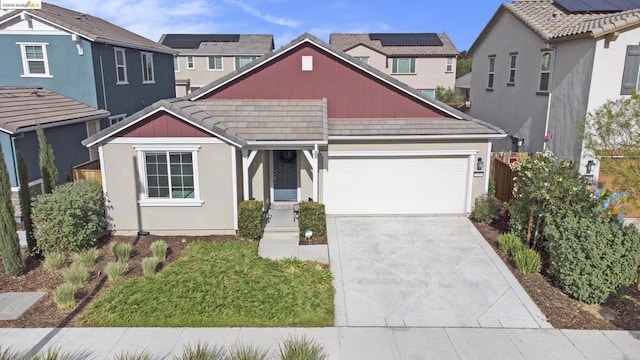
x,y
285,177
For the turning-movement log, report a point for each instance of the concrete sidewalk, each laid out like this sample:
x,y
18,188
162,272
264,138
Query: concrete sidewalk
x,y
339,342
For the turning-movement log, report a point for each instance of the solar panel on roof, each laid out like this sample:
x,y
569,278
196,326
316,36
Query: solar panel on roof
x,y
598,5
192,41
407,39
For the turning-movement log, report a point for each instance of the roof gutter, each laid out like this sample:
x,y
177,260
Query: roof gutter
x,y
63,122
133,46
419,137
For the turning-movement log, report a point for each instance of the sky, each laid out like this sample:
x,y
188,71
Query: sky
x,y
462,20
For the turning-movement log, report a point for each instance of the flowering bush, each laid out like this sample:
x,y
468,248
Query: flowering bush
x,y
609,203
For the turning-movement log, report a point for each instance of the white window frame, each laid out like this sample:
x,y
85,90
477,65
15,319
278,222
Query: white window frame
x,y
25,62
449,67
123,66
116,119
513,63
491,79
237,61
93,150
191,62
428,92
144,199
147,78
395,65
362,59
214,68
176,63
638,81
547,71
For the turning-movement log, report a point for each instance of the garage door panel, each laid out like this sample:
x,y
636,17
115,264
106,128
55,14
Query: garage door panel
x,y
395,185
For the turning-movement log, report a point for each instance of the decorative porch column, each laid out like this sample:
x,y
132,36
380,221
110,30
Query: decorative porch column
x,y
247,159
312,158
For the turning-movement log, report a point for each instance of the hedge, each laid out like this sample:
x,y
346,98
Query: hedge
x,y
250,219
312,217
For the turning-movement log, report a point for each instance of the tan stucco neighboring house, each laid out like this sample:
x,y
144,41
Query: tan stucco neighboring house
x,y
540,66
423,61
204,58
305,121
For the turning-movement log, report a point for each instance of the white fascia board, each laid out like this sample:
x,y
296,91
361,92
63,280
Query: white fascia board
x,y
283,144
420,137
403,153
52,24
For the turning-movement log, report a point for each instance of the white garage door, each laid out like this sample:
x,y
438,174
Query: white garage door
x,y
396,185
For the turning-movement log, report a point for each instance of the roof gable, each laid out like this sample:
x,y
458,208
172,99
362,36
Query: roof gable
x,y
163,124
219,44
398,44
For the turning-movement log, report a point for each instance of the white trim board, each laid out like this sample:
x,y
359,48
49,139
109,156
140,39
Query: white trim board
x,y
402,153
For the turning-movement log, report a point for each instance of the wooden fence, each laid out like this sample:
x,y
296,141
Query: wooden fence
x,y
502,175
89,170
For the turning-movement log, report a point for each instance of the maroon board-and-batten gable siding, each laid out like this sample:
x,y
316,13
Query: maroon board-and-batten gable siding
x,y
162,124
350,92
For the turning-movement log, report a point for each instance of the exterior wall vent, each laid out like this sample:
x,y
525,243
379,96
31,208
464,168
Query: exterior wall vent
x,y
307,63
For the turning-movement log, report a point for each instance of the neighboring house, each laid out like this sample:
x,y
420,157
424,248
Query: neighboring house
x,y
423,61
463,84
540,66
64,121
84,58
205,58
306,121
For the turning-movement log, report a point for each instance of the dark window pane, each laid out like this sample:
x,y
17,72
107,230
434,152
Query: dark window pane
x,y
544,82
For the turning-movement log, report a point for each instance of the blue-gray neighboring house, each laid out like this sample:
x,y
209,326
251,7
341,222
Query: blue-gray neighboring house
x,y
84,58
65,123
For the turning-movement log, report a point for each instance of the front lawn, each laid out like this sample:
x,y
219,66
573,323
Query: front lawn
x,y
223,284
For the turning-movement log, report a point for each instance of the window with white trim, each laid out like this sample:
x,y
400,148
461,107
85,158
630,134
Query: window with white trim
x,y
176,64
492,69
34,60
190,64
147,68
404,66
362,59
214,63
545,71
512,68
241,61
449,65
428,92
93,127
121,66
116,119
169,175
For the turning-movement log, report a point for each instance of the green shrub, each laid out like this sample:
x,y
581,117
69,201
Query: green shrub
x,y
71,218
527,261
86,257
592,257
64,296
55,261
201,352
484,211
150,265
115,270
76,275
247,352
509,243
312,216
159,249
250,219
301,348
121,251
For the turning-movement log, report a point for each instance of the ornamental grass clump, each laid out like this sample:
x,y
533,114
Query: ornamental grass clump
x,y
64,296
150,265
247,352
527,261
121,251
159,249
301,348
133,356
55,261
115,270
509,243
484,211
86,257
76,275
201,352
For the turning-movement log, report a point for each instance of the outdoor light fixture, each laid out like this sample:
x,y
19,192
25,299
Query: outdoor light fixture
x,y
479,164
590,165
308,234
520,142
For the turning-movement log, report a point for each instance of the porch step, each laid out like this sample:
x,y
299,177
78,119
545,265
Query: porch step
x,y
282,205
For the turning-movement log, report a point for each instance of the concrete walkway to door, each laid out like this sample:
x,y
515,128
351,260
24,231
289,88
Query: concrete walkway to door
x,y
422,271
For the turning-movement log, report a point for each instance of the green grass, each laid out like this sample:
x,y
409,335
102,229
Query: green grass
x,y
220,285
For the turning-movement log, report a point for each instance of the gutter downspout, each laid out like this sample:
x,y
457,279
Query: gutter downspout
x,y
104,91
15,159
546,125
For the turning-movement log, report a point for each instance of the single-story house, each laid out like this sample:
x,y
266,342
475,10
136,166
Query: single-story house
x,y
305,121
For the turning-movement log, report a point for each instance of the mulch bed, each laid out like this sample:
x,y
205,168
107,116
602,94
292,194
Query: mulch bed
x,y
320,240
621,312
45,312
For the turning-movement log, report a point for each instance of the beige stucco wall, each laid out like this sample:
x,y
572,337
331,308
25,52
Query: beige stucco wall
x,y
214,216
200,75
430,71
482,148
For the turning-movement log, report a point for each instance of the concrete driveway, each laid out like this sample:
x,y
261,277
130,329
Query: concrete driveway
x,y
431,271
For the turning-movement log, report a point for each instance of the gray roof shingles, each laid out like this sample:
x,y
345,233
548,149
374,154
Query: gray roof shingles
x,y
345,42
248,44
92,28
22,107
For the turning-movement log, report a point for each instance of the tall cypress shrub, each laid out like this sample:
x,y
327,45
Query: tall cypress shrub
x,y
25,203
9,243
47,162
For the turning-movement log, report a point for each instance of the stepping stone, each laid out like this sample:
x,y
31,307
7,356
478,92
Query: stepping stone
x,y
14,304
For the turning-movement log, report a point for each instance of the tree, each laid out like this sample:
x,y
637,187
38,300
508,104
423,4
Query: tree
x,y
463,67
612,134
448,95
9,243
47,162
25,203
